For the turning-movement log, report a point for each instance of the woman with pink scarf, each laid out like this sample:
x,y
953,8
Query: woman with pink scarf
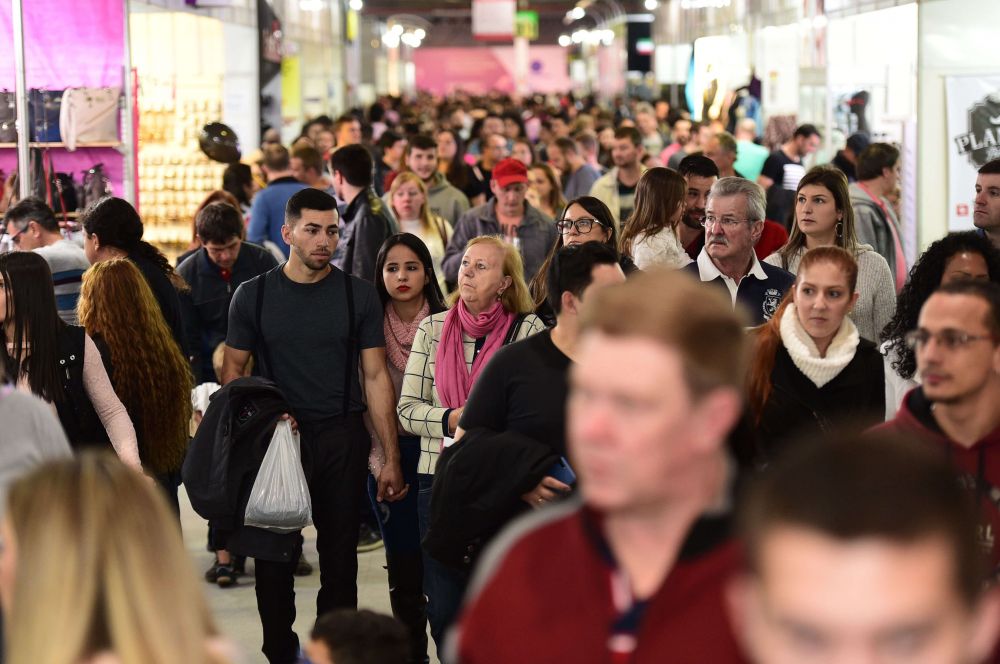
x,y
450,349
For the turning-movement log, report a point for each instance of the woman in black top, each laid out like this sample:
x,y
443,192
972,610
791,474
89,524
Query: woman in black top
x,y
58,362
811,371
113,229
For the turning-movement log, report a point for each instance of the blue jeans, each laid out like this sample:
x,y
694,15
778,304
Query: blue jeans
x,y
444,585
401,535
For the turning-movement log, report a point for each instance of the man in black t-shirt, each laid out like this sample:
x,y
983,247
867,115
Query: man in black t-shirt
x,y
304,342
782,171
524,386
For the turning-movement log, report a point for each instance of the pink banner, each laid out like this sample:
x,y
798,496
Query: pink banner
x,y
67,44
479,70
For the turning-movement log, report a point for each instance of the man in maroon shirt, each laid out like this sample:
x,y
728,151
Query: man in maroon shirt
x,y
957,346
863,551
635,571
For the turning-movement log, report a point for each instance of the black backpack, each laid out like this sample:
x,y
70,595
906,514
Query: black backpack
x,y
226,452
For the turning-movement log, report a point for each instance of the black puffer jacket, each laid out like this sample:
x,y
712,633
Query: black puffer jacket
x,y
471,500
852,402
223,460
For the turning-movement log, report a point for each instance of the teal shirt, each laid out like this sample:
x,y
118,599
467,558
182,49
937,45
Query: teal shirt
x,y
750,159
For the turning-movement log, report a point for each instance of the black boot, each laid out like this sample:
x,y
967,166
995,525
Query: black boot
x,y
406,596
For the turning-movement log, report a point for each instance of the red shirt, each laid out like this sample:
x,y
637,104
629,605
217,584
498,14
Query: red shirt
x,y
555,595
773,237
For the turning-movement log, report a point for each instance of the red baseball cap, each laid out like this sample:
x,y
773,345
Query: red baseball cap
x,y
509,171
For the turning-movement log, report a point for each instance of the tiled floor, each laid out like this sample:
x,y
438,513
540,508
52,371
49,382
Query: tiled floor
x,y
236,608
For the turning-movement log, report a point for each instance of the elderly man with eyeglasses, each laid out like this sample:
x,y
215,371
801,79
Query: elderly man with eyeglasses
x,y
734,221
957,346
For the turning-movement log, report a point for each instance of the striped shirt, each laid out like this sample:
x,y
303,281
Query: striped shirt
x,y
68,262
420,410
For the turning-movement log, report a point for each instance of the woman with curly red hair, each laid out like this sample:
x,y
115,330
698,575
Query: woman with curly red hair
x,y
148,371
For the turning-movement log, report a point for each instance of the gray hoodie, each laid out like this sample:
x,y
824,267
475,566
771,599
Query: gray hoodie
x,y
872,226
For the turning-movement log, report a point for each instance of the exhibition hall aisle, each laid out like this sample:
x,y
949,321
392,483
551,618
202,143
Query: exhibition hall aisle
x,y
235,608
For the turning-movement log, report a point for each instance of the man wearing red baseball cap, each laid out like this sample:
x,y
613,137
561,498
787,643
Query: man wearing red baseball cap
x,y
508,215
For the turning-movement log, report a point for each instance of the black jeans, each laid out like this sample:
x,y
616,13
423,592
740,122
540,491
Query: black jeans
x,y
401,535
335,460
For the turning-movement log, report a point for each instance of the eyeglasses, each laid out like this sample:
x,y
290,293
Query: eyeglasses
x,y
727,223
583,225
15,239
947,339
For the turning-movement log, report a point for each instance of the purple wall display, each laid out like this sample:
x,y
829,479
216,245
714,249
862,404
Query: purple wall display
x,y
68,44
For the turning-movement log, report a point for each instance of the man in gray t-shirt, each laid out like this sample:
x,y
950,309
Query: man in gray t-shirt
x,y
312,350
32,226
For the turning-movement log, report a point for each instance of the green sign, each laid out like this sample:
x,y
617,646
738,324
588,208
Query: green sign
x,y
526,25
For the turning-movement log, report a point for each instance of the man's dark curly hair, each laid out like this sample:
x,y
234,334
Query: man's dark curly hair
x,y
925,278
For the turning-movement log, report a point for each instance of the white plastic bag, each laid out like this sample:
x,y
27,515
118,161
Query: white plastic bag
x,y
279,500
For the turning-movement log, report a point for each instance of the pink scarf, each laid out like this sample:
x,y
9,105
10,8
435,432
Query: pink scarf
x,y
453,379
399,335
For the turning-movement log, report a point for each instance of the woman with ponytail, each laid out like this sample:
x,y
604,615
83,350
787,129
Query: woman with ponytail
x,y
113,229
811,371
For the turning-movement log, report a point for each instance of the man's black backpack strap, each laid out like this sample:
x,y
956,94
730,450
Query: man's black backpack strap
x,y
512,330
352,343
263,358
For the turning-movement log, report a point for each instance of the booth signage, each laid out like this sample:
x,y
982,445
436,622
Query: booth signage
x,y
493,20
526,25
974,137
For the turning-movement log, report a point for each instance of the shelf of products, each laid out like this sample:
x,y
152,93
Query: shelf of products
x,y
99,144
174,175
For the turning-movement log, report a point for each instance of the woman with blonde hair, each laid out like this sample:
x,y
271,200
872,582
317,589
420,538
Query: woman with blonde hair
x,y
492,307
148,371
408,196
650,234
92,570
824,216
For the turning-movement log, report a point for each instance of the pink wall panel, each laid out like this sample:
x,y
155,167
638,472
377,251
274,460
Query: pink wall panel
x,y
480,69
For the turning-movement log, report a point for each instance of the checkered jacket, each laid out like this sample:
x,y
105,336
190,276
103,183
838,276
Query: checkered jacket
x,y
420,410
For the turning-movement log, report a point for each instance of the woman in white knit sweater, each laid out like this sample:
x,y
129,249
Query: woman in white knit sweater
x,y
824,217
650,234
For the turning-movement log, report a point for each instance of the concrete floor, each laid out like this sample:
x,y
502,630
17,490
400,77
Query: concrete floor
x,y
235,608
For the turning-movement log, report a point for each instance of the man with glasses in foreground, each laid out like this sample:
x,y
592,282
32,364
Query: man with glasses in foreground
x,y
734,221
957,345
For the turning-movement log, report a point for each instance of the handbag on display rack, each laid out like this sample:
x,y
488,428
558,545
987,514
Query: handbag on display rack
x,y
44,107
58,190
8,116
96,185
89,115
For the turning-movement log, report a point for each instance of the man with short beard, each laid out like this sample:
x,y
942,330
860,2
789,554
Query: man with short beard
x,y
957,345
700,173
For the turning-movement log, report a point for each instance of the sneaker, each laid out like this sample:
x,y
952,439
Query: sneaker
x,y
303,568
224,576
239,566
212,573
368,539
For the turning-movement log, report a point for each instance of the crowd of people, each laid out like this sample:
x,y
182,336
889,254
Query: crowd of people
x,y
608,385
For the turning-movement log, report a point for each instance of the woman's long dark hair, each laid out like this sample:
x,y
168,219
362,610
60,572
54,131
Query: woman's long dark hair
x,y
925,278
118,225
659,194
432,291
539,282
457,173
31,305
